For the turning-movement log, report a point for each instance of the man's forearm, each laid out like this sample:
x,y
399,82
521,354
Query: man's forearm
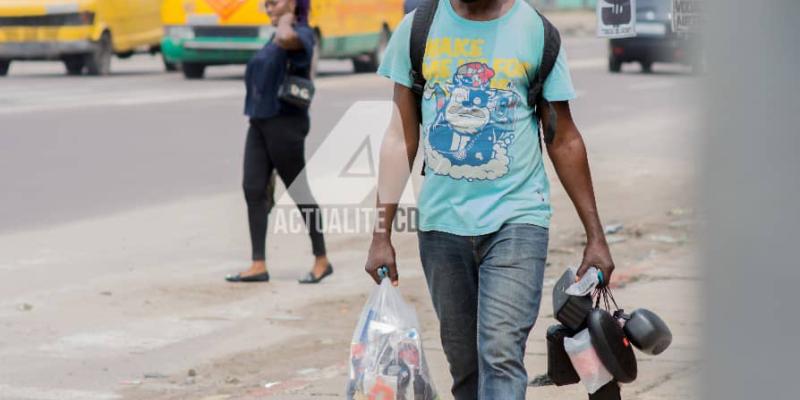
x,y
398,152
572,166
383,220
568,154
396,162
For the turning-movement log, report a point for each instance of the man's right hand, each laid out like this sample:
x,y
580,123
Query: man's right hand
x,y
381,253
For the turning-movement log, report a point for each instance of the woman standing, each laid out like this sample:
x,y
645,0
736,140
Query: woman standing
x,y
276,137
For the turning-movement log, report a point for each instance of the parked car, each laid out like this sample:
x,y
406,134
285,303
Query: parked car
x,y
83,34
655,41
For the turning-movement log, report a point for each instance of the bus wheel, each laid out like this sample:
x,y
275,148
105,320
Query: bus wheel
x,y
4,66
98,62
698,66
194,70
169,66
74,64
363,64
315,58
371,62
647,67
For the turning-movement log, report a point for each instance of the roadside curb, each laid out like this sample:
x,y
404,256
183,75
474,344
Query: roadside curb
x,y
574,23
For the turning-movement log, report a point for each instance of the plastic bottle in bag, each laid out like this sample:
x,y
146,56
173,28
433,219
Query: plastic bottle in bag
x,y
386,357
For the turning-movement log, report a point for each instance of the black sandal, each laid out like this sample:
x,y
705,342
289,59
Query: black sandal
x,y
262,277
310,279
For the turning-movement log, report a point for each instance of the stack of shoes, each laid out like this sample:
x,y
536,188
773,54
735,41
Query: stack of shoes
x,y
594,344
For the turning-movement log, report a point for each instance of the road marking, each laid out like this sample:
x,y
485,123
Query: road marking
x,y
26,100
35,98
33,393
661,84
587,63
130,99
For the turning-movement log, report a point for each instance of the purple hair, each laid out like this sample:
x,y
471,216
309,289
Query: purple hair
x,y
301,10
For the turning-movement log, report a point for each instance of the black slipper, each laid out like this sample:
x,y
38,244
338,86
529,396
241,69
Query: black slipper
x,y
311,279
263,277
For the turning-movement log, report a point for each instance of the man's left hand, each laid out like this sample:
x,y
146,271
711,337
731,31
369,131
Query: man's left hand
x,y
596,254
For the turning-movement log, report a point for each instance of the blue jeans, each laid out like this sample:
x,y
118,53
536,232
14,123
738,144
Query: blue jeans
x,y
486,291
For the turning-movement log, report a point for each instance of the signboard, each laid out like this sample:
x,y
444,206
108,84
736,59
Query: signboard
x,y
225,8
686,15
616,18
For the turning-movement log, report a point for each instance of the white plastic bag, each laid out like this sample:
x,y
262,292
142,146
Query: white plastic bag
x,y
386,357
593,373
586,285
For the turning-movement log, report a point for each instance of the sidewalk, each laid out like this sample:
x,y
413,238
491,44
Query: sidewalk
x,y
666,283
656,270
133,306
573,22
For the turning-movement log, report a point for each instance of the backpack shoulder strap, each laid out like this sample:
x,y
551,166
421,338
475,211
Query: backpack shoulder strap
x,y
420,27
551,50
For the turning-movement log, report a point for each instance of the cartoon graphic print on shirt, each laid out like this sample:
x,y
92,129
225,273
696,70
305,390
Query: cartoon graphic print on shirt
x,y
497,178
473,127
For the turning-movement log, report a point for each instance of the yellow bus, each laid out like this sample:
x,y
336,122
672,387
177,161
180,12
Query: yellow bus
x,y
84,34
201,33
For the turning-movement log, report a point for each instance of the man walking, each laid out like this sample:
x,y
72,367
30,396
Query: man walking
x,y
484,208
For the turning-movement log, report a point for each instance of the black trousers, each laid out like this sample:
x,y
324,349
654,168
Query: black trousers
x,y
611,391
278,144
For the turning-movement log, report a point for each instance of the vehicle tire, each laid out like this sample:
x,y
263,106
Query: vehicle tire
x,y
647,67
360,65
371,62
315,58
614,65
194,70
98,62
698,66
4,66
169,66
74,65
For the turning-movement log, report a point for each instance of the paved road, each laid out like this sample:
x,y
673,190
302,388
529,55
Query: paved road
x,y
76,147
138,137
120,208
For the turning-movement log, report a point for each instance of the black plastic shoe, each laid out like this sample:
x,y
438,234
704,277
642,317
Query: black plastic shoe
x,y
310,279
263,277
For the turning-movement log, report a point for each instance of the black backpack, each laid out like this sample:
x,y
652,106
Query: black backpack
x,y
421,26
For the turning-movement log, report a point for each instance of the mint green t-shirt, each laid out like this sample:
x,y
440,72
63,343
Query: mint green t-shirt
x,y
480,137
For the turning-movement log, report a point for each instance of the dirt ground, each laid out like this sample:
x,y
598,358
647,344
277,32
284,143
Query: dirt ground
x,y
293,366
116,292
